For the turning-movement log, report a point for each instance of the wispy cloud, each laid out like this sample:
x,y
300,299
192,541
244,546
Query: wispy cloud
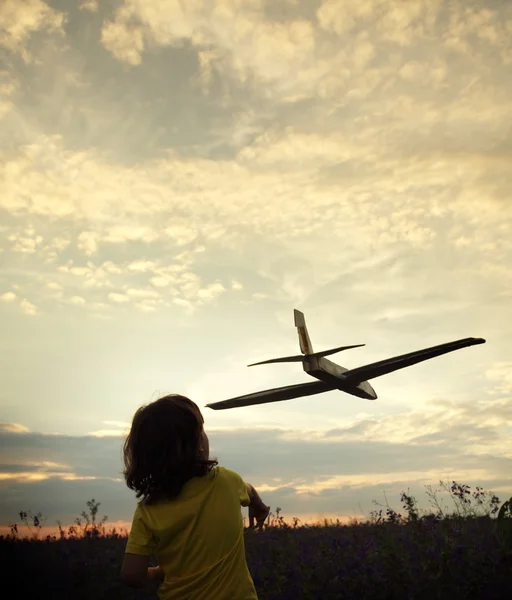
x,y
12,428
119,428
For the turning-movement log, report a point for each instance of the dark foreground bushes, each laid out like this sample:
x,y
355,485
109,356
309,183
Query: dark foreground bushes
x,y
426,559
464,554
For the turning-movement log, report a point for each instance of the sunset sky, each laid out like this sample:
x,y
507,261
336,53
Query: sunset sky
x,y
177,177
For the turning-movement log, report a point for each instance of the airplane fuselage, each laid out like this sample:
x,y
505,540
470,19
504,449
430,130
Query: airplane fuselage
x,y
325,370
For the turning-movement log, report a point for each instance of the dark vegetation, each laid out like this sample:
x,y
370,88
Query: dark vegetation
x,y
461,552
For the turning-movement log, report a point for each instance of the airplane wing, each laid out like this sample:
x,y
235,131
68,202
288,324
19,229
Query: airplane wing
x,y
389,365
274,395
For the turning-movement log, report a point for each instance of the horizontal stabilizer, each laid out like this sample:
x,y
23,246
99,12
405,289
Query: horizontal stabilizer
x,y
274,395
297,358
360,374
334,350
303,357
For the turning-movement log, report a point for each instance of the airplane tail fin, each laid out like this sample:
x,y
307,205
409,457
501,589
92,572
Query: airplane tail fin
x,y
305,345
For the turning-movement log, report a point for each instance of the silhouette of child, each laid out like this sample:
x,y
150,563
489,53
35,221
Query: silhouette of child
x,y
189,515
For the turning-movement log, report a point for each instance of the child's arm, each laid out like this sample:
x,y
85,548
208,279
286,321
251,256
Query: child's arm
x,y
136,573
257,508
254,497
140,546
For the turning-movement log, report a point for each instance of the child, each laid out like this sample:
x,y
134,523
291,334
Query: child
x,y
189,515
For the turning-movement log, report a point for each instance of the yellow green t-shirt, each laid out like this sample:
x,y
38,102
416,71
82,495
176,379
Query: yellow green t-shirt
x,y
198,539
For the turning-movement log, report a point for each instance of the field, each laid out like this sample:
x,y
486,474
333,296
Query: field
x,y
465,554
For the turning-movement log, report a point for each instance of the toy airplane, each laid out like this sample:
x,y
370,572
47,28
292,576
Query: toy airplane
x,y
332,376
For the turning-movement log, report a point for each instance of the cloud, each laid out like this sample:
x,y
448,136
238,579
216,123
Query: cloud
x,y
35,471
415,21
397,159
8,87
96,281
24,447
404,24
88,242
142,266
27,307
501,375
419,73
182,234
60,243
287,59
143,293
286,150
132,232
481,423
25,244
125,43
146,306
90,5
229,214
119,428
280,55
211,291
87,279
21,19
118,298
161,281
8,297
12,428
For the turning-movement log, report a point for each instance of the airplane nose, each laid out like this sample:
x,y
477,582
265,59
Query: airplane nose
x,y
370,393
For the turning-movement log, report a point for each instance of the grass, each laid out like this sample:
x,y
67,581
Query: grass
x,y
462,552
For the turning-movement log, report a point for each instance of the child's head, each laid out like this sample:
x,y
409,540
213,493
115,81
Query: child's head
x,y
165,448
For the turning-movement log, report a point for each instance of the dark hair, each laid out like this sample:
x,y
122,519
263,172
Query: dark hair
x,y
162,451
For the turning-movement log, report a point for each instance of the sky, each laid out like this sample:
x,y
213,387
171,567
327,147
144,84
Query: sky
x,y
177,177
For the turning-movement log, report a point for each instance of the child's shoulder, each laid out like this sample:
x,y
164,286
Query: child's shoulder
x,y
228,473
234,482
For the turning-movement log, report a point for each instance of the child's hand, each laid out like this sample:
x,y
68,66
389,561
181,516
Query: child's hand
x,y
155,574
259,512
257,508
